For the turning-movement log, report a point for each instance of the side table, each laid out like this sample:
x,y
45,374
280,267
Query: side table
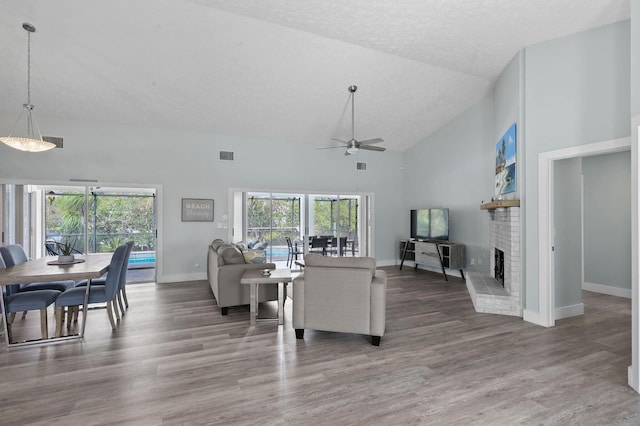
x,y
254,278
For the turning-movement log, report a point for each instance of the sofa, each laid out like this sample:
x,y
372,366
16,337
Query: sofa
x,y
343,294
225,265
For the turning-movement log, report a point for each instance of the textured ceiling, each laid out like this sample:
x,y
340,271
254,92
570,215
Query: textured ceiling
x,y
275,69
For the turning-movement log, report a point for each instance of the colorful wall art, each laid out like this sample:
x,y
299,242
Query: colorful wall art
x,y
506,162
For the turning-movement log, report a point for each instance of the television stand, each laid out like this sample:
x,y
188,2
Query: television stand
x,y
440,254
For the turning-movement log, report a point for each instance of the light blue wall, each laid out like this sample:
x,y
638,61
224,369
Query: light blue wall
x,y
576,92
568,232
186,165
453,169
635,57
607,219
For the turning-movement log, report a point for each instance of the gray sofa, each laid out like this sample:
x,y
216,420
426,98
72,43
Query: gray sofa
x,y
340,294
225,266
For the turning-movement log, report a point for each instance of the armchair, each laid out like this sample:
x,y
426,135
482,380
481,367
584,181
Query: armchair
x,y
340,294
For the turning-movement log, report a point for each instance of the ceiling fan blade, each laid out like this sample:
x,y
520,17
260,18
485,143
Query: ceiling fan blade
x,y
372,148
371,141
330,147
339,140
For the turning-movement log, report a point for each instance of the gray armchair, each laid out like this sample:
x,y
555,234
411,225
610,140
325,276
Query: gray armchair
x,y
340,294
225,266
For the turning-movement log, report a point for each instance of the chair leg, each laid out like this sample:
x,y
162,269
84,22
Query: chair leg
x,y
59,316
115,308
224,311
110,314
124,296
120,303
24,314
375,340
299,333
12,316
44,329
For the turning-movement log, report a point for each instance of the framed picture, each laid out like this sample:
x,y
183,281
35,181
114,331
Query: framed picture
x,y
506,162
197,210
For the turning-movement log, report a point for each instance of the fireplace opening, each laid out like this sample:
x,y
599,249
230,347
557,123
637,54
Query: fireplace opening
x,y
498,270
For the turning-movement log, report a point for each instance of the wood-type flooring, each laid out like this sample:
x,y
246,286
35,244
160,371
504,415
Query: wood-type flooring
x,y
176,360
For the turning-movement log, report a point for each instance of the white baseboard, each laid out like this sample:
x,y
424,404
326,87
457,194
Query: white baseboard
x,y
386,263
569,311
607,289
177,278
535,318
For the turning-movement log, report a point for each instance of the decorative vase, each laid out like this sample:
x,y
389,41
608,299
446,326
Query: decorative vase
x,y
65,259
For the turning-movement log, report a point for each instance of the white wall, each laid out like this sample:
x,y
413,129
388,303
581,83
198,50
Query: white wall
x,y
577,92
568,232
454,168
607,219
186,164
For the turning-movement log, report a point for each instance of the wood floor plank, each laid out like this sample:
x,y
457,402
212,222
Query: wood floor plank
x,y
174,359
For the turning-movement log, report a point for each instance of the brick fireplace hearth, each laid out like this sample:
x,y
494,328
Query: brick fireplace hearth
x,y
487,292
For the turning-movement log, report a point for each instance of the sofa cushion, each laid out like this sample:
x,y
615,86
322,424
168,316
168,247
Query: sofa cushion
x,y
255,256
241,246
215,244
230,254
313,259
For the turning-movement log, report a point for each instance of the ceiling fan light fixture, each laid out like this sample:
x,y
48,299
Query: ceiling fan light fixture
x,y
31,140
352,149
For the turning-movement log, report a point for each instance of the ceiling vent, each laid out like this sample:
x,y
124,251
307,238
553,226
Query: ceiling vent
x,y
360,165
54,140
226,155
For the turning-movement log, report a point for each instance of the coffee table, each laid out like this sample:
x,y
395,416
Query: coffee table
x,y
254,278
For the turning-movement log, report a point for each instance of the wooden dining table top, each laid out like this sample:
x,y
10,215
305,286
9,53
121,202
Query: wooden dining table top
x,y
37,270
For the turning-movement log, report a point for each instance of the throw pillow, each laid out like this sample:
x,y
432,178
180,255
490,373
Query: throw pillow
x,y
255,256
215,244
231,255
259,246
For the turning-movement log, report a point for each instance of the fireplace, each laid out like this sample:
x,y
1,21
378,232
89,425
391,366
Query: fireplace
x,y
498,269
499,289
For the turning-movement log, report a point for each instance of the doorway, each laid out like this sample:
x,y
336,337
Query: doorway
x,y
546,217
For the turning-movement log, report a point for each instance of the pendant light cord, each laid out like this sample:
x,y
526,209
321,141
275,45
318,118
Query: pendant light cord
x,y
29,67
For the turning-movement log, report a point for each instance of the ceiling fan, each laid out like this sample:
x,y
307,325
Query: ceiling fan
x,y
352,144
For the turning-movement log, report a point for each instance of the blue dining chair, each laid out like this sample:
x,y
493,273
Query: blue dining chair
x,y
123,303
35,300
74,297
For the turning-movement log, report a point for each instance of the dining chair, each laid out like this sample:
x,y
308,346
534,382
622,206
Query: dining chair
x,y
319,245
294,251
75,297
36,300
123,303
14,254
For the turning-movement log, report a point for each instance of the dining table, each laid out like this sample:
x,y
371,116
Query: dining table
x,y
88,266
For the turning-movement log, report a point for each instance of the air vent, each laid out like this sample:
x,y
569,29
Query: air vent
x,y
226,155
54,140
361,165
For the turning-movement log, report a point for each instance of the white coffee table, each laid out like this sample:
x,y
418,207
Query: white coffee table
x,y
254,278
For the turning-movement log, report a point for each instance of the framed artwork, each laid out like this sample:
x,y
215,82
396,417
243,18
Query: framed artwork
x,y
197,210
506,162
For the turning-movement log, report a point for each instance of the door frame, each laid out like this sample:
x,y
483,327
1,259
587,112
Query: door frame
x,y
546,163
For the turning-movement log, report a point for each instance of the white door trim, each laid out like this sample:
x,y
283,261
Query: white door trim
x,y
546,288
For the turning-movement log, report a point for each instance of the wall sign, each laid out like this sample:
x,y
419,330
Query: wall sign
x,y
197,210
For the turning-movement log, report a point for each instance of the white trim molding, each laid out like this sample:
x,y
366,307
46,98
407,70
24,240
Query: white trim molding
x,y
569,311
607,289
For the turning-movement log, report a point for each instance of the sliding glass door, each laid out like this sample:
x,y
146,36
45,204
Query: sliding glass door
x,y
269,219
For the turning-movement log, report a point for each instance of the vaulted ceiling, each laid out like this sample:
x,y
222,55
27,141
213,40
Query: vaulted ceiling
x,y
275,69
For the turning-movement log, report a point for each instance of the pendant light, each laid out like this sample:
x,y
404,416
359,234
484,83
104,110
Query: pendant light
x,y
26,136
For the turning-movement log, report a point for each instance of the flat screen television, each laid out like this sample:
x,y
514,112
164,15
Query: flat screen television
x,y
430,224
